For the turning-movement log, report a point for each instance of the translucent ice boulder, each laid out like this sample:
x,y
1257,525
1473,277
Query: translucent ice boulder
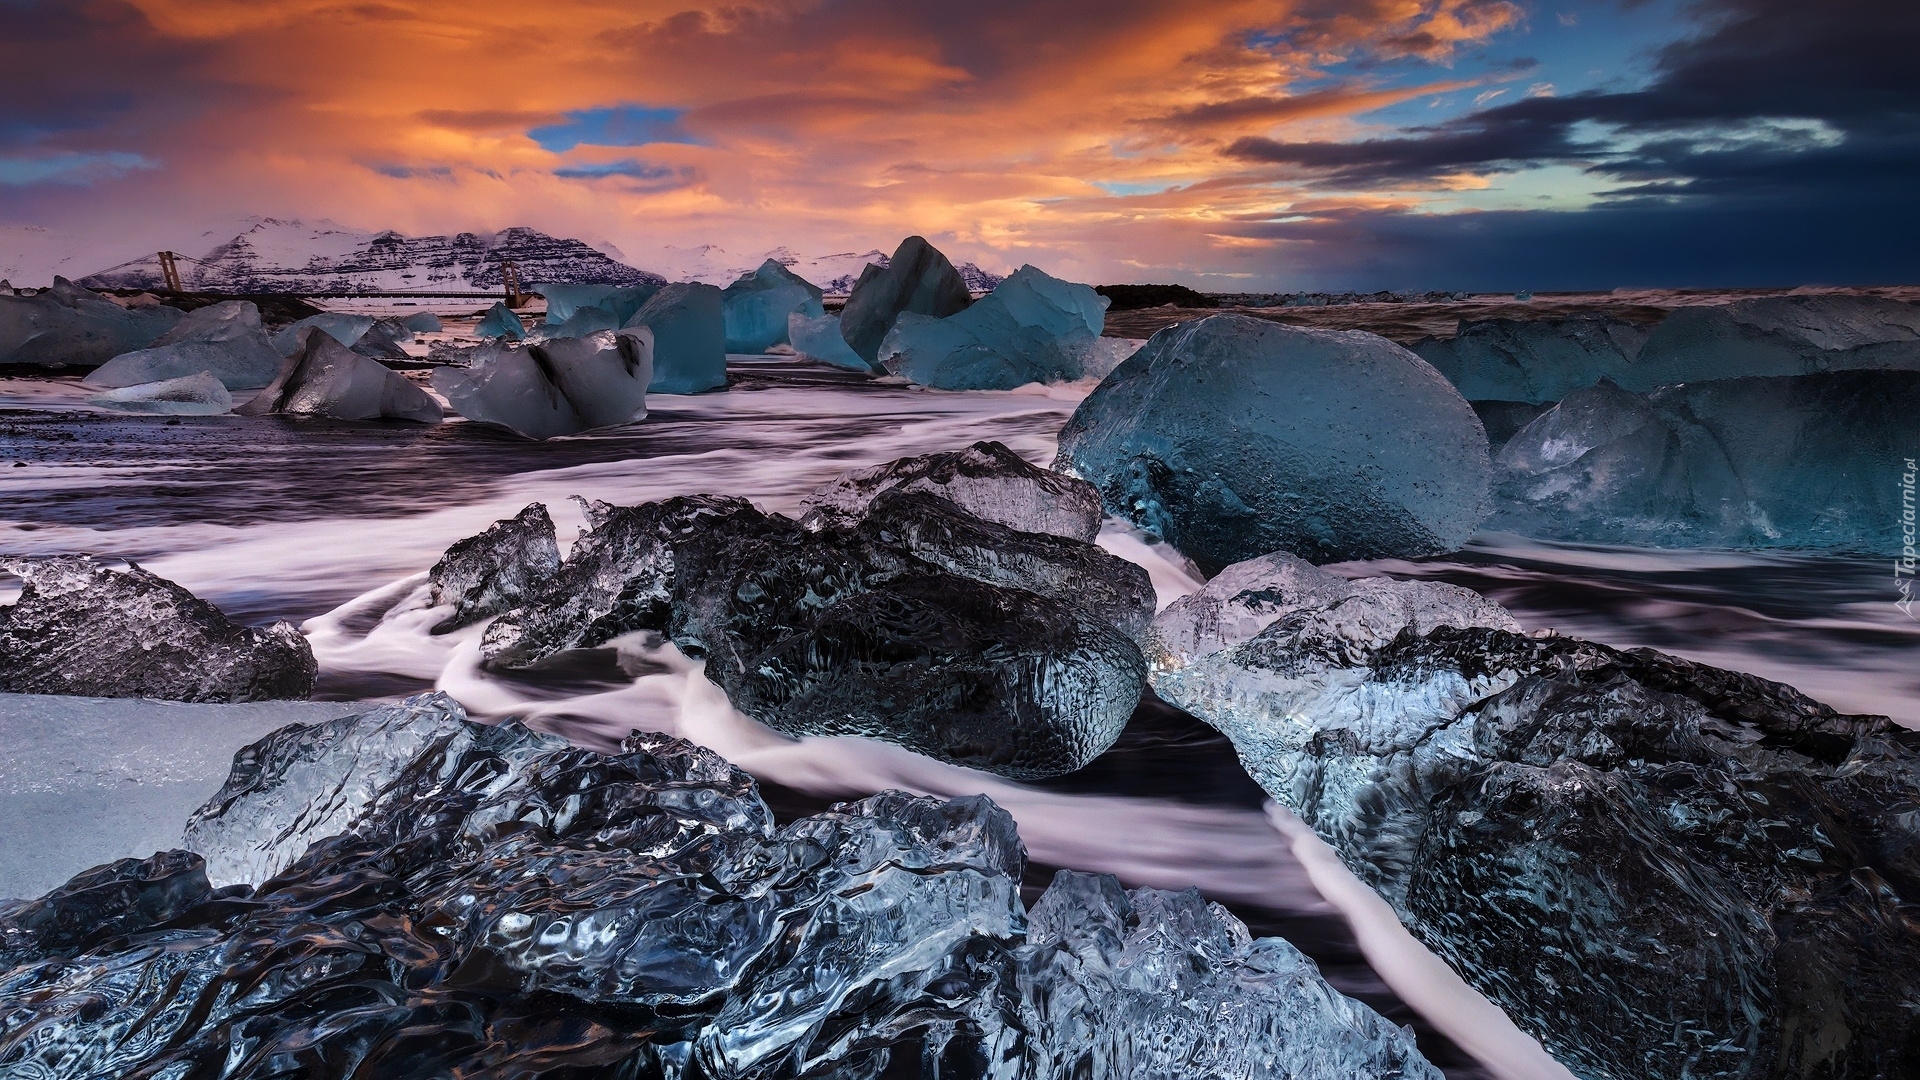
x,y
619,301
1231,437
1790,462
189,395
82,628
819,339
986,479
1033,328
918,278
756,307
343,326
1778,335
225,339
495,570
501,322
326,379
582,323
1533,362
423,322
68,326
689,338
550,388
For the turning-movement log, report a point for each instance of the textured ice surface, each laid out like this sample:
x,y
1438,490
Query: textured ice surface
x,y
189,395
1230,437
383,340
423,322
619,301
1033,328
1534,362
923,626
757,306
819,339
495,570
501,322
1160,984
67,325
552,388
689,338
344,327
1799,461
326,379
986,479
453,899
917,279
1777,335
80,628
1658,868
225,339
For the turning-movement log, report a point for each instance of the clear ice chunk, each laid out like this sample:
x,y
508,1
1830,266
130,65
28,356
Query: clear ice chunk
x,y
689,338
423,322
81,628
917,279
1231,437
1033,328
68,326
1533,362
225,339
189,395
1777,336
561,387
343,326
819,339
500,322
986,479
326,379
756,308
495,570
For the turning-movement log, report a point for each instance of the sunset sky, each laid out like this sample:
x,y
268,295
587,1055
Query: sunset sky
x,y
1231,144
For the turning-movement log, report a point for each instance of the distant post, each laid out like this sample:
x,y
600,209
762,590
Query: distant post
x,y
170,271
510,278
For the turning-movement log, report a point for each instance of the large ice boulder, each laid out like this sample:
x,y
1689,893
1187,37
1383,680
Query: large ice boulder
x,y
986,479
495,570
564,302
1533,362
757,306
423,322
326,379
1778,335
344,327
1806,461
225,339
82,628
500,321
551,388
384,340
190,395
918,278
689,338
1231,437
818,338
1657,868
1033,328
68,326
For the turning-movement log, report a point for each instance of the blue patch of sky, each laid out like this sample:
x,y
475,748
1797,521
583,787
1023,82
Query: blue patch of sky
x,y
413,172
1118,187
73,168
614,125
639,170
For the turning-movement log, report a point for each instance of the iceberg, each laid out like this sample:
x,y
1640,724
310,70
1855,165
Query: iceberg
x,y
1532,362
81,628
344,327
551,388
500,322
1033,328
68,326
224,339
756,308
1785,462
325,379
986,480
819,339
423,322
189,395
689,338
1230,437
495,570
582,323
1777,336
564,302
917,279
383,341
415,894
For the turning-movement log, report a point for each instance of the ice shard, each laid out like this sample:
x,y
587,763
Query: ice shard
x,y
326,379
689,338
1787,462
68,326
383,340
986,479
81,628
819,339
1535,362
225,339
1778,336
1231,437
189,395
757,307
343,326
552,388
495,570
918,279
500,322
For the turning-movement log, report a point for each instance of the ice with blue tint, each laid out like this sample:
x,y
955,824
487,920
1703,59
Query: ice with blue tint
x,y
583,322
67,325
689,338
189,395
1033,328
344,327
1778,335
1231,437
501,322
423,322
917,279
756,307
1535,362
225,339
619,301
325,379
550,388
818,338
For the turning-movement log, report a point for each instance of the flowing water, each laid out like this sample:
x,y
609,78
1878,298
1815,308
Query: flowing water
x,y
333,526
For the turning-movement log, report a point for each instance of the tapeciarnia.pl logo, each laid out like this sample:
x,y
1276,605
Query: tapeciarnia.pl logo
x,y
1903,566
